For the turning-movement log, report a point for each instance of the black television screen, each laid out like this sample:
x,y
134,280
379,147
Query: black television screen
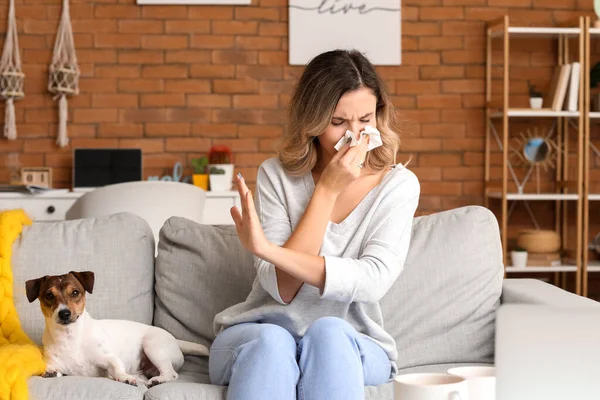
x,y
100,167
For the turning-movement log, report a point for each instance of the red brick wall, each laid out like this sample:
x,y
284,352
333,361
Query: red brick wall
x,y
176,79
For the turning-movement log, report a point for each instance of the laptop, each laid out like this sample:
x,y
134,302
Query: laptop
x,y
547,353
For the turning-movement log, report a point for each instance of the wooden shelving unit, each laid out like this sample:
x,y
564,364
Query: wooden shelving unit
x,y
564,191
588,265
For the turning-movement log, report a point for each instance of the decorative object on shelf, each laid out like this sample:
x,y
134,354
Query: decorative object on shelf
x,y
176,177
200,176
519,257
535,98
544,259
14,169
37,176
595,244
316,26
64,72
220,157
533,150
11,74
539,241
597,11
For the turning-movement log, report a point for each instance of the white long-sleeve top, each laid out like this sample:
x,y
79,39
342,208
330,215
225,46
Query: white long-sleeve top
x,y
364,254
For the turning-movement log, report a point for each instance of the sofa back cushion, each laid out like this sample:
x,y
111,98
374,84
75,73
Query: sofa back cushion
x,y
200,271
441,309
119,249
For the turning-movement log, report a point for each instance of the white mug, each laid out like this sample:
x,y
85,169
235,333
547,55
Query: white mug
x,y
480,380
434,386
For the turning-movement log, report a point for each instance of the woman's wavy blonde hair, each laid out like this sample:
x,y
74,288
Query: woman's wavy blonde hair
x,y
316,94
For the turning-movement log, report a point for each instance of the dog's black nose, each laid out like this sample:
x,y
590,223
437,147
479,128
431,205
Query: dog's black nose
x,y
64,315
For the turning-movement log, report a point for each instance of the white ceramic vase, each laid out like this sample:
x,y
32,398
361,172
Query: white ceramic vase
x,y
519,259
536,102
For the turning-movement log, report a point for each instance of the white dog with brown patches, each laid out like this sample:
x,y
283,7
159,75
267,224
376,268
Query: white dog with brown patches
x,y
76,344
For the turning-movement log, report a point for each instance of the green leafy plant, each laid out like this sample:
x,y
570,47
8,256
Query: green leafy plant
x,y
216,171
200,164
533,92
519,248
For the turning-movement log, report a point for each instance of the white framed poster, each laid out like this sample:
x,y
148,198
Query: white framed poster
x,y
205,2
370,26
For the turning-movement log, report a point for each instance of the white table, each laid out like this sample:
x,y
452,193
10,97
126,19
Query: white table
x,y
53,205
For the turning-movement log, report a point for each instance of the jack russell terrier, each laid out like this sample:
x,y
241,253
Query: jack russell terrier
x,y
76,344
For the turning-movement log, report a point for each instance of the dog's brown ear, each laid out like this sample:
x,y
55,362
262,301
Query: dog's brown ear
x,y
86,278
32,287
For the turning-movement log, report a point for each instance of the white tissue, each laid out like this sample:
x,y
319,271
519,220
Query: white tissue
x,y
374,135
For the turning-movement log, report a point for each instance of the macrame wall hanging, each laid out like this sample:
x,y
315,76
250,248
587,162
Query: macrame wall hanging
x,y
64,72
11,75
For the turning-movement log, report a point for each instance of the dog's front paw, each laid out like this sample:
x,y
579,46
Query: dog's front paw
x,y
51,374
128,379
157,380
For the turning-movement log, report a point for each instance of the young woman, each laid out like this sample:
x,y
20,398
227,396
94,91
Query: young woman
x,y
330,234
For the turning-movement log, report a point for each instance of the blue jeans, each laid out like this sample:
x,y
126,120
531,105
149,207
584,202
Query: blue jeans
x,y
263,361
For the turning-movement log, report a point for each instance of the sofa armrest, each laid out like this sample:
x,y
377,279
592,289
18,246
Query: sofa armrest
x,y
535,291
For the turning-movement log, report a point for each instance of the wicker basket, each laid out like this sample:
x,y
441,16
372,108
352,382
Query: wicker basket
x,y
539,241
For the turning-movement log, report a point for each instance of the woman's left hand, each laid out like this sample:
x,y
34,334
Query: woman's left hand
x,y
247,224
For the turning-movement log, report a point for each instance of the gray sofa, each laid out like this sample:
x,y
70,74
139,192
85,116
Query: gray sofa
x,y
441,310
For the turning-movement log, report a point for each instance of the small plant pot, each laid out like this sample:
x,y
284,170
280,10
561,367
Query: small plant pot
x,y
200,180
536,102
228,168
219,183
519,259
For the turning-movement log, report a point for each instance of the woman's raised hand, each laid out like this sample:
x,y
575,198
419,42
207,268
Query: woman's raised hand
x,y
344,167
247,223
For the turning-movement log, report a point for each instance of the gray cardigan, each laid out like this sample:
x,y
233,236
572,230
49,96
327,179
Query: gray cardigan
x,y
364,254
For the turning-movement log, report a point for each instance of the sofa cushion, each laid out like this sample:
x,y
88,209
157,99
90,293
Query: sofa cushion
x,y
78,388
442,308
119,249
200,271
201,391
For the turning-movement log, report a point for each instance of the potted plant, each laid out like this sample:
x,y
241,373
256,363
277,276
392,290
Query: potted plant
x,y
220,166
200,176
218,180
519,257
535,98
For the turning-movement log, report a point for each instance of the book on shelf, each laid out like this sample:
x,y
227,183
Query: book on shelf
x,y
563,94
573,94
558,88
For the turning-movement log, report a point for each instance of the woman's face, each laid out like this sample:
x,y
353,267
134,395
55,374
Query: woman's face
x,y
354,111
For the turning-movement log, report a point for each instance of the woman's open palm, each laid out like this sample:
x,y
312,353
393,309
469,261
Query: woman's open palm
x,y
247,223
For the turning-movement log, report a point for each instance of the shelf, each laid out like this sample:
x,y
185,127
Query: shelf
x,y
594,31
526,112
537,31
593,266
594,114
594,197
558,268
533,196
